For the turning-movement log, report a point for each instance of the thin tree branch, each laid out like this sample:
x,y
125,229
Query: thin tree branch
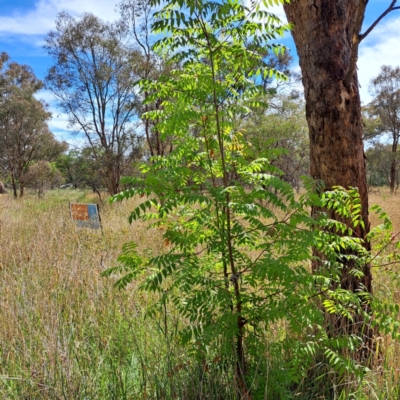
x,y
376,22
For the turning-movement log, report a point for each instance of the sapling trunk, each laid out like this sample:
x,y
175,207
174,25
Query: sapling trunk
x,y
227,238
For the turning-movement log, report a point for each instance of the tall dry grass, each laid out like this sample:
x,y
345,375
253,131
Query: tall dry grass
x,y
384,381
66,333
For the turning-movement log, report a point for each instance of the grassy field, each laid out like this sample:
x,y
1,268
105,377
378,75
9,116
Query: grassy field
x,y
66,333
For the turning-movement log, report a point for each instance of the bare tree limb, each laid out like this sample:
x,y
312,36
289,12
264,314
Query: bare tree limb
x,y
376,22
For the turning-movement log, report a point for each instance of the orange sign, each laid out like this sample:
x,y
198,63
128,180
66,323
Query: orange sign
x,y
85,215
79,212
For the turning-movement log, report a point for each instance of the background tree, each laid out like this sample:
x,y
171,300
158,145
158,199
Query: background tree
x,y
81,169
3,81
42,175
92,78
283,127
382,115
24,134
72,168
138,15
327,34
379,165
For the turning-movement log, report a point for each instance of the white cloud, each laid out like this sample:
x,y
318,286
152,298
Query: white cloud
x,y
380,47
41,19
46,95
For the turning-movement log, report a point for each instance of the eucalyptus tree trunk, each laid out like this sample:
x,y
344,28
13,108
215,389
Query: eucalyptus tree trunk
x,y
14,185
393,173
327,35
393,165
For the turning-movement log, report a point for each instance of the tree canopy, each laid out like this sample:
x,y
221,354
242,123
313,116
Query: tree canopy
x,y
24,134
382,115
92,78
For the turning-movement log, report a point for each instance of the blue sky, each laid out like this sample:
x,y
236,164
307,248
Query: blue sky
x,y
24,23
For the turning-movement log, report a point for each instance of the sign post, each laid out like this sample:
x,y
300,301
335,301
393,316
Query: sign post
x,y
86,215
